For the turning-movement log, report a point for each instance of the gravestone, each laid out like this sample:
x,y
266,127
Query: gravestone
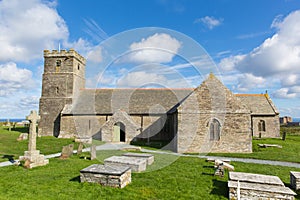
x,y
67,151
284,136
22,136
32,155
295,180
80,147
93,152
8,125
113,176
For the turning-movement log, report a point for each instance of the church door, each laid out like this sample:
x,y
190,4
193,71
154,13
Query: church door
x,y
119,134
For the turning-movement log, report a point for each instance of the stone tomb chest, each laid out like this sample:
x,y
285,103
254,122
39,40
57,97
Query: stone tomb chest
x,y
295,180
148,157
113,176
257,186
136,164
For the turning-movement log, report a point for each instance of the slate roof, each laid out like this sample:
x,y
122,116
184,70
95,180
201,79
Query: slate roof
x,y
133,101
259,104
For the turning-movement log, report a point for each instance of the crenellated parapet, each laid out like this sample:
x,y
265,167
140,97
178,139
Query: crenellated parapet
x,y
64,53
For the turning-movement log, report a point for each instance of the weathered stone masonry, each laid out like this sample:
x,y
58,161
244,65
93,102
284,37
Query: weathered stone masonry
x,y
209,118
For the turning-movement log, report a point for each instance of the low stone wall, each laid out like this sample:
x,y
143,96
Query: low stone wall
x,y
295,180
113,176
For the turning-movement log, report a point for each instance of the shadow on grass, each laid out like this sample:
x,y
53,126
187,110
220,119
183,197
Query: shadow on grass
x,y
9,157
21,129
207,174
75,179
220,188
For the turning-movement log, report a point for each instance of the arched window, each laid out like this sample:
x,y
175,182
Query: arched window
x,y
261,126
214,130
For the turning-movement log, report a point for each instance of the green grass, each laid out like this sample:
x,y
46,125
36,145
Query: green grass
x,y
10,148
289,151
170,177
184,178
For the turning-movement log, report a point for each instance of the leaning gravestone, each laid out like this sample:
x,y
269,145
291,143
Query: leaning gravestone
x,y
33,156
67,151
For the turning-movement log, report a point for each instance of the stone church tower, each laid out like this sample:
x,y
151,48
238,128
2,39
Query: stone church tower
x,y
64,76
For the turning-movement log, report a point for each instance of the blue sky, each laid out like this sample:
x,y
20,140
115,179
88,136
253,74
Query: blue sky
x,y
254,46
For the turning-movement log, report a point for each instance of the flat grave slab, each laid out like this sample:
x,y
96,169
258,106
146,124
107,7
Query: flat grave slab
x,y
136,164
255,178
113,176
148,157
295,180
257,186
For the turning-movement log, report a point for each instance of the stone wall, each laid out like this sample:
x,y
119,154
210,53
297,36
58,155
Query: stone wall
x,y
49,111
235,134
272,126
63,77
101,126
213,101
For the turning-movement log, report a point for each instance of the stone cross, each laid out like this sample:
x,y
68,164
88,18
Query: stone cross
x,y
33,118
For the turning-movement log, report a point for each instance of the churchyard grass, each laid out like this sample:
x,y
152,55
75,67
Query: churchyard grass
x,y
169,177
10,148
289,151
185,178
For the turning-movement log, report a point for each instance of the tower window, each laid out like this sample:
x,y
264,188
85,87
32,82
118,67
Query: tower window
x,y
57,90
58,64
78,66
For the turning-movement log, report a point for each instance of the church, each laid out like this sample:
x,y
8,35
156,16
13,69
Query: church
x,y
208,118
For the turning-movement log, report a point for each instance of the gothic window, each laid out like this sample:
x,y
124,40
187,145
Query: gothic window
x,y
214,130
261,126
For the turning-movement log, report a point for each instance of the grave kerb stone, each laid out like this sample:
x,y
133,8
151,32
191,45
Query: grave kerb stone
x,y
113,176
148,157
136,164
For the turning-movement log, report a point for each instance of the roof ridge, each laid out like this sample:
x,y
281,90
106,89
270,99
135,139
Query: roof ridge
x,y
137,89
249,95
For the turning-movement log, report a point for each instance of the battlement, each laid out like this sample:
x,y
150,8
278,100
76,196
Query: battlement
x,y
70,53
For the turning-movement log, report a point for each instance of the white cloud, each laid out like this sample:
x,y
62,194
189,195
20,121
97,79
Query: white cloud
x,y
29,102
284,93
229,63
13,79
278,57
249,81
28,28
158,48
95,54
209,22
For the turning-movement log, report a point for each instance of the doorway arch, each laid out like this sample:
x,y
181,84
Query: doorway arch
x,y
119,132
